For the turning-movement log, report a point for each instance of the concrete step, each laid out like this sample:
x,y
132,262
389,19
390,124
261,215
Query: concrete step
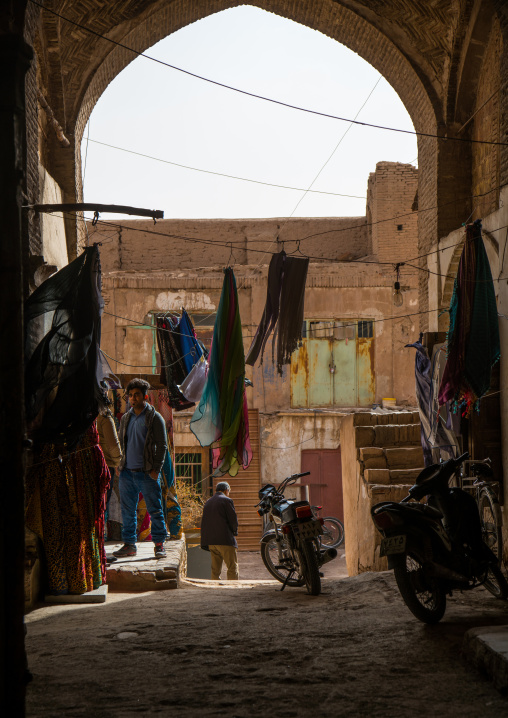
x,y
400,457
387,435
392,476
368,418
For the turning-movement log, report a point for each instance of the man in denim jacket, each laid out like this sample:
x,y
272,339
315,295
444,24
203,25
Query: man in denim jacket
x,y
143,440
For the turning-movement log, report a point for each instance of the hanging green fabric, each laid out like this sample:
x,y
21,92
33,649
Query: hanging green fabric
x,y
473,336
221,418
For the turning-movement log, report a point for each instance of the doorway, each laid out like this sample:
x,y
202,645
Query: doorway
x,y
325,480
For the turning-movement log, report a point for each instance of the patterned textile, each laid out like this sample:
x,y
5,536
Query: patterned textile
x,y
436,439
65,508
221,419
284,309
473,337
172,510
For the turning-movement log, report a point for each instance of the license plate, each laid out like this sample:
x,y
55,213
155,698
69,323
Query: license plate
x,y
308,530
393,544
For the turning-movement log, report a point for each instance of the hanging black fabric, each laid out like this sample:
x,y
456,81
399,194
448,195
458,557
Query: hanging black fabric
x,y
64,369
284,309
173,369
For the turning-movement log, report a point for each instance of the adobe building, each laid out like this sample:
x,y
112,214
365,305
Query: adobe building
x,y
352,354
448,62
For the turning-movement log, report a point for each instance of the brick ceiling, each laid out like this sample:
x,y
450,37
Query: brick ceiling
x,y
409,41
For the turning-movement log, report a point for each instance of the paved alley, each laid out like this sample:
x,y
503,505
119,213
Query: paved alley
x,y
250,650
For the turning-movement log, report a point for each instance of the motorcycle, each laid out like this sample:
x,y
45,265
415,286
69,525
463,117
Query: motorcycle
x,y
436,547
291,550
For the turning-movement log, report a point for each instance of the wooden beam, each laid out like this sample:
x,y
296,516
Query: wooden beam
x,y
91,207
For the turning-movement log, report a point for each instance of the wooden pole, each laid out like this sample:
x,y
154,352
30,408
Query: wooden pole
x,y
92,207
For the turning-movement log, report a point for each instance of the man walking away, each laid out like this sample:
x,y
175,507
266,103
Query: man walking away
x,y
143,440
219,526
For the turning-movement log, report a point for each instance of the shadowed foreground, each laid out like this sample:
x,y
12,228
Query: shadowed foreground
x,y
248,650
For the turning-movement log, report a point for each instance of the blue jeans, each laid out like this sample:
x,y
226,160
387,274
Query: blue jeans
x,y
132,483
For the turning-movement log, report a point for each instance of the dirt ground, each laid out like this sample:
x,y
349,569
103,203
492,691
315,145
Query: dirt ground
x,y
249,650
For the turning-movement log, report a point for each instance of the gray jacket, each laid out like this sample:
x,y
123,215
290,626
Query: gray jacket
x,y
155,443
219,524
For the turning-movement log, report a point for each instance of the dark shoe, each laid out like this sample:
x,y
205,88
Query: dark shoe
x,y
174,538
127,549
159,550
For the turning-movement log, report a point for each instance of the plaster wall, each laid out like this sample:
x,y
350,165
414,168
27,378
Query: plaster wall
x,y
54,243
284,435
132,296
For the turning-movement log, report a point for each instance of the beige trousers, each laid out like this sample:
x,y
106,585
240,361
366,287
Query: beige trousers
x,y
228,555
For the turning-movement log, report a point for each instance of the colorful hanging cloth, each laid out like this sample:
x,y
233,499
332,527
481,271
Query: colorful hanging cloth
x,y
284,309
436,439
221,419
66,499
473,345
190,348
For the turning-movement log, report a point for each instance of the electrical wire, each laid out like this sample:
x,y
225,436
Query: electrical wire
x,y
262,97
200,240
149,366
333,325
222,174
313,181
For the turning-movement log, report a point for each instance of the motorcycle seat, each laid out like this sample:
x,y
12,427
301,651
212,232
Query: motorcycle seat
x,y
432,511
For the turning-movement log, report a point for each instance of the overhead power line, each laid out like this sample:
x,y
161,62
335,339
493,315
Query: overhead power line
x,y
262,97
223,174
229,245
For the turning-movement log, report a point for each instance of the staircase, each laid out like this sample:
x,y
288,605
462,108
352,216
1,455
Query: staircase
x,y
381,458
244,492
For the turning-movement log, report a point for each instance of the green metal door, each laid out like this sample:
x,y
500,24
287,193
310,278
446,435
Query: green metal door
x,y
344,358
320,372
334,366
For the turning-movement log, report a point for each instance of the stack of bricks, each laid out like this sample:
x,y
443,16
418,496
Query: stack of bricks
x,y
381,458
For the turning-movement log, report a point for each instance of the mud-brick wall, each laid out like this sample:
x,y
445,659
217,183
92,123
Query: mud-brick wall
x,y
486,123
380,461
392,192
138,245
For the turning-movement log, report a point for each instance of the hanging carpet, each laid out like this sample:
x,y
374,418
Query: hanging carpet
x,y
220,419
64,369
284,309
473,345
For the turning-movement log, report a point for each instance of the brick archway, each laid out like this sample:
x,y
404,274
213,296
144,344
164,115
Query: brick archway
x,y
420,48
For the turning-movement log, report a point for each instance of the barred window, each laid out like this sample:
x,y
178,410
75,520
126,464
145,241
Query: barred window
x,y
193,468
366,329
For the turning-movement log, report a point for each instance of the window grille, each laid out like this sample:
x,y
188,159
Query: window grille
x,y
189,468
366,329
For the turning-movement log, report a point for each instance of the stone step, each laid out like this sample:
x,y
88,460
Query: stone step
x,y
400,457
368,418
396,476
387,435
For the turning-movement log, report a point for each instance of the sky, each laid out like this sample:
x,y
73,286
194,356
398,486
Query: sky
x,y
157,111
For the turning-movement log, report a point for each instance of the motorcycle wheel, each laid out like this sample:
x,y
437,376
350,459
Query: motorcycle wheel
x,y
270,556
333,533
309,567
496,582
488,506
426,599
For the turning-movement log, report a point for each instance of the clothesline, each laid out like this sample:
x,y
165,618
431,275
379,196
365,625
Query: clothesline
x,y
148,366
